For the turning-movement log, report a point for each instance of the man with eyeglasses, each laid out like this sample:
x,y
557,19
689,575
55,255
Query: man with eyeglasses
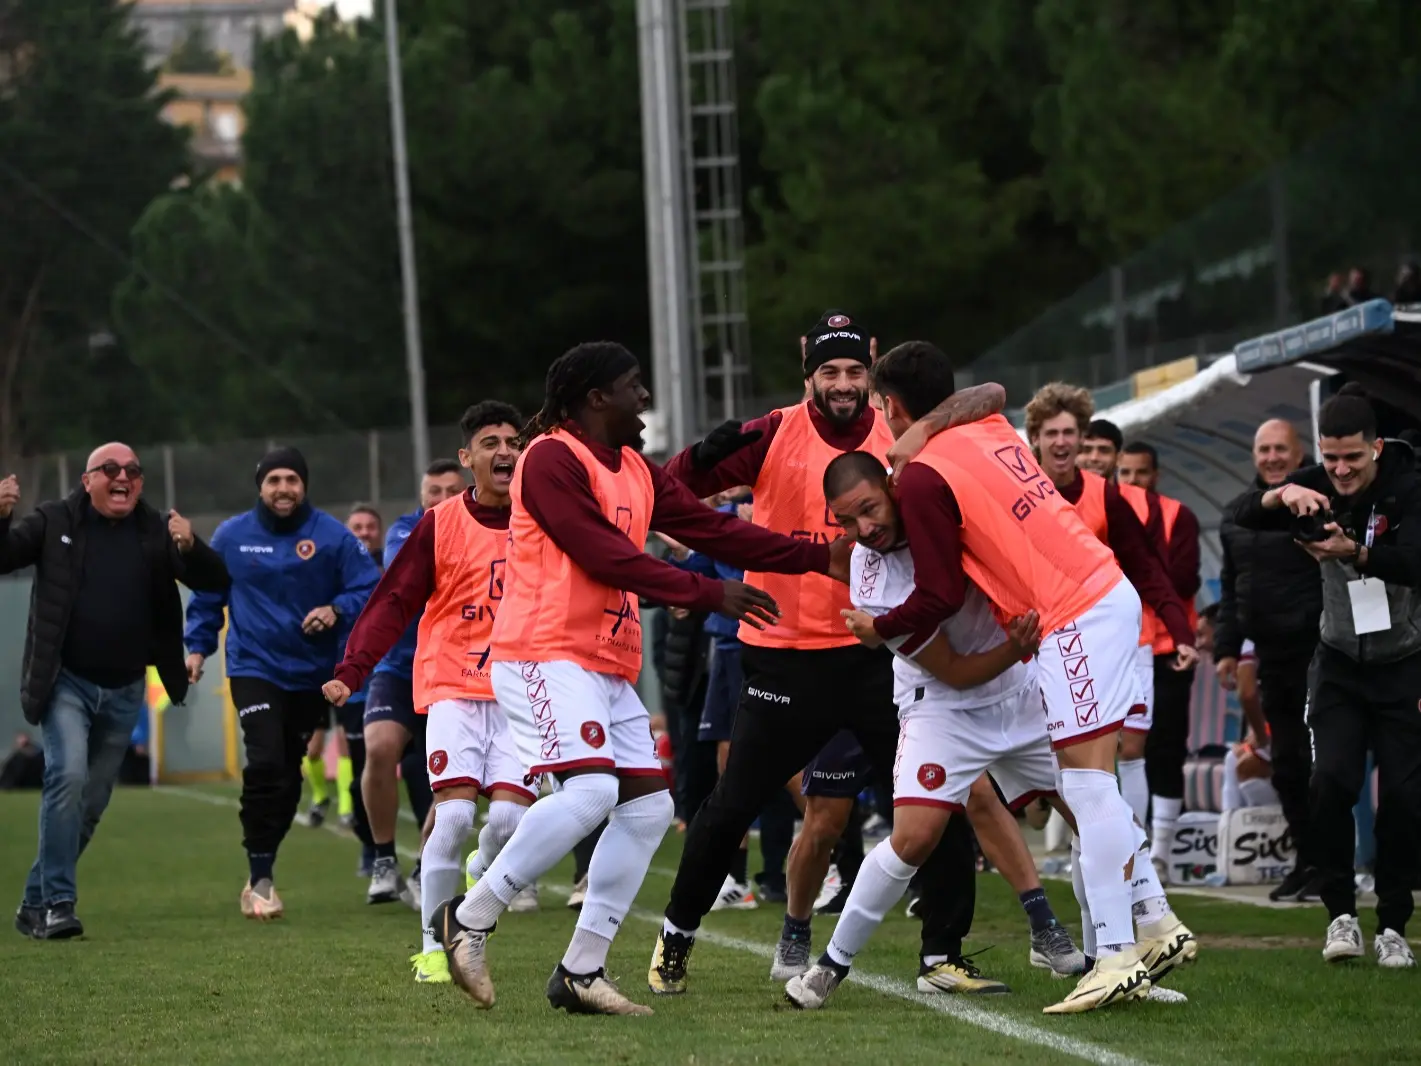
x,y
104,607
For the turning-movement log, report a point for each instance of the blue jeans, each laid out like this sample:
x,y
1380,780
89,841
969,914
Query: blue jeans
x,y
86,732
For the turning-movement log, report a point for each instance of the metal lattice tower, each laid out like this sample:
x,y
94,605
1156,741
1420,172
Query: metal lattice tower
x,y
720,323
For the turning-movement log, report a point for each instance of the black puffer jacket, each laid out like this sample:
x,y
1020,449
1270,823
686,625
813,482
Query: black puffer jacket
x,y
687,651
1270,589
51,539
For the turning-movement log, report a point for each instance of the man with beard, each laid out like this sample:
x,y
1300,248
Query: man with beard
x,y
298,578
808,678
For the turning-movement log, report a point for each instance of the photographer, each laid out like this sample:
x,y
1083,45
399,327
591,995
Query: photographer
x,y
1359,515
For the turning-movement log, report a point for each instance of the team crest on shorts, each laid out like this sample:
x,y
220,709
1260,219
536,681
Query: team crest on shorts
x,y
593,734
437,761
305,549
931,776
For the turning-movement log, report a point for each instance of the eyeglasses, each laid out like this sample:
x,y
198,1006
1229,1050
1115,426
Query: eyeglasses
x,y
111,470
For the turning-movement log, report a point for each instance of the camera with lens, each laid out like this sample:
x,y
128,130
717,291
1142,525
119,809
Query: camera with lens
x,y
1311,528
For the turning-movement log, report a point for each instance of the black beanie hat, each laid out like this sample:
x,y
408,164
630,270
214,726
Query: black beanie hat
x,y
282,459
835,336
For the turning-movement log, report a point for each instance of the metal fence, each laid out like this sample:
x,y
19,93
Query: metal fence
x,y
1257,260
208,481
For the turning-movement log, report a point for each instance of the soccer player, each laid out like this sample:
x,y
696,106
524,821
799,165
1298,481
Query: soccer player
x,y
393,732
453,562
807,678
567,650
297,575
967,703
1058,418
978,498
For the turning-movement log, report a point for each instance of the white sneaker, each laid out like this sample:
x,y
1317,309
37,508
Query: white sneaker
x,y
830,888
1393,951
387,884
1344,940
526,902
811,990
579,895
735,897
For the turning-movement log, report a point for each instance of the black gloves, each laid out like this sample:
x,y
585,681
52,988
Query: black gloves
x,y
723,441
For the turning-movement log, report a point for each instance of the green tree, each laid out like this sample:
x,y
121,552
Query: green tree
x,y
194,54
82,150
527,211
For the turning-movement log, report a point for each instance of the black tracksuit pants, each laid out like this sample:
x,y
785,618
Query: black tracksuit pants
x,y
1356,707
276,727
1283,691
1167,742
792,703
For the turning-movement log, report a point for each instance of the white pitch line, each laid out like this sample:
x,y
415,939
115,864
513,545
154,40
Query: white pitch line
x,y
953,1006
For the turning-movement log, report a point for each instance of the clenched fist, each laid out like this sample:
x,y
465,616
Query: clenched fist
x,y
180,529
9,495
336,693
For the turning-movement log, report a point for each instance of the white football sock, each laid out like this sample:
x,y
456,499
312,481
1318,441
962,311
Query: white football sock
x,y
1147,897
1107,835
1162,823
549,830
619,863
503,819
1258,792
1232,797
439,861
883,879
1078,884
1134,787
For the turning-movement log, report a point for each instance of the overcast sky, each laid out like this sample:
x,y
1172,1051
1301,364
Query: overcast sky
x,y
351,8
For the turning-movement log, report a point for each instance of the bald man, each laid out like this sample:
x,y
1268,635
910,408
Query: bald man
x,y
105,606
1271,593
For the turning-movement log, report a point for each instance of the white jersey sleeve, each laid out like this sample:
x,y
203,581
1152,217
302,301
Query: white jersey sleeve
x,y
879,582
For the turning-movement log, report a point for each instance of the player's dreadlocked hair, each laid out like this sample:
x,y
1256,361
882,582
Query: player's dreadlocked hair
x,y
572,376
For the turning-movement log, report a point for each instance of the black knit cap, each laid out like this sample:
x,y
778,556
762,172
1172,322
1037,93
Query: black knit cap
x,y
282,459
835,336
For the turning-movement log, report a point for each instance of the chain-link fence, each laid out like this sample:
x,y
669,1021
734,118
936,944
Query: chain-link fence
x,y
208,482
1257,260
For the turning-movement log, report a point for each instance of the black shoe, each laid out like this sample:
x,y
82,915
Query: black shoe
x,y
1296,881
589,993
770,890
443,922
317,816
1312,891
61,923
836,905
29,921
667,975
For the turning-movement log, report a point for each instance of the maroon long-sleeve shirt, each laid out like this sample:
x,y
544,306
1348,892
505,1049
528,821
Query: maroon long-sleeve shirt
x,y
1139,557
743,467
1183,555
557,493
404,589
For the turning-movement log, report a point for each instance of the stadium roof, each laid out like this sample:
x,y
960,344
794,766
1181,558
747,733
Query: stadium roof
x,y
1203,426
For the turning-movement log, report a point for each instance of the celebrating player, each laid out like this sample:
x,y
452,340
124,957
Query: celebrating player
x,y
567,650
967,703
451,568
976,495
808,678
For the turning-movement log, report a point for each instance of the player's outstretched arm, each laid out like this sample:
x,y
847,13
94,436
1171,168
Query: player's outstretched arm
x,y
403,590
729,539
